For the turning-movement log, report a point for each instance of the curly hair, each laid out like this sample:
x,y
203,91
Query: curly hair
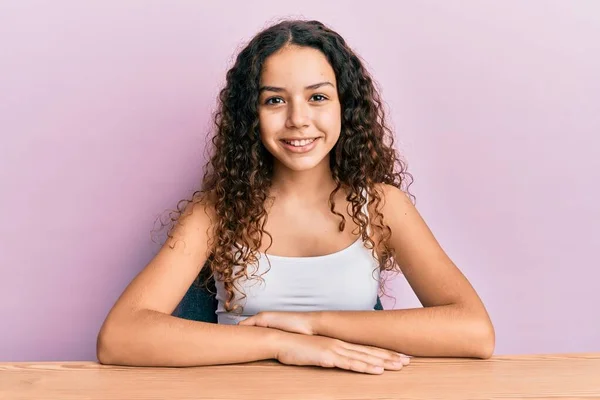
x,y
238,174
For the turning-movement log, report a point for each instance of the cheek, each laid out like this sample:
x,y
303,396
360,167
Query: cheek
x,y
329,121
262,123
269,123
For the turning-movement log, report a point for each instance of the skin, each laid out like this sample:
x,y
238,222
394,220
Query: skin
x,y
139,330
298,99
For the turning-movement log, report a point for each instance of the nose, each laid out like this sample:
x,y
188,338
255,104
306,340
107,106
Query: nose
x,y
298,115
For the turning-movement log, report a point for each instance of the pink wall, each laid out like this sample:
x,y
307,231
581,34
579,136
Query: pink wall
x,y
104,107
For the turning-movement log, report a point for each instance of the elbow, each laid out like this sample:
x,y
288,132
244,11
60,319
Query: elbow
x,y
121,341
483,340
104,344
103,357
111,343
478,334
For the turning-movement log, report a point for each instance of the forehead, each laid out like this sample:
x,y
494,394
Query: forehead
x,y
296,66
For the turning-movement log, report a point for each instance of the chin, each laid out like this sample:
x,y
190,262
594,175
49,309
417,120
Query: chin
x,y
300,165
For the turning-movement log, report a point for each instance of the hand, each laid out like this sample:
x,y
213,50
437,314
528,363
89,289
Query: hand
x,y
327,352
294,322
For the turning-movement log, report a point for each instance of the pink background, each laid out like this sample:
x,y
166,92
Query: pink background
x,y
104,107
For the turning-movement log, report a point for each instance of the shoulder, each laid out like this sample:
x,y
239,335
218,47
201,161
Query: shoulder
x,y
198,217
393,199
395,209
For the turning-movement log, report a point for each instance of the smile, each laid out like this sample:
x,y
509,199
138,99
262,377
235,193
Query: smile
x,y
300,146
300,143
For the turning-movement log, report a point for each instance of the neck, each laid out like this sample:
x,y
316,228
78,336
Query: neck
x,y
314,184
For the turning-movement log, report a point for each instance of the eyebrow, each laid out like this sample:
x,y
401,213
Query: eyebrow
x,y
279,89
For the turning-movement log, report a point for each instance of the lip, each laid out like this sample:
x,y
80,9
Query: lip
x,y
302,149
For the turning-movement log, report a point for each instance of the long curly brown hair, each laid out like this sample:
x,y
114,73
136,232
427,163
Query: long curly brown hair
x,y
238,174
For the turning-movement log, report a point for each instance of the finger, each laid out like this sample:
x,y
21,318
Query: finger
x,y
393,365
352,364
381,353
247,321
405,360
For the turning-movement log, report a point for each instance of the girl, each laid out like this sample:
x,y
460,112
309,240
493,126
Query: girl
x,y
302,207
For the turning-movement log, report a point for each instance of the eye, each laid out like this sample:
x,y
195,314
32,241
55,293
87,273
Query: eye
x,y
318,98
273,100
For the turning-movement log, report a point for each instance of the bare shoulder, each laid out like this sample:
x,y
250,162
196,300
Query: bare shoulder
x,y
198,218
393,197
395,203
409,232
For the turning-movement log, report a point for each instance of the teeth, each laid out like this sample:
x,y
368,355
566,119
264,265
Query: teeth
x,y
299,143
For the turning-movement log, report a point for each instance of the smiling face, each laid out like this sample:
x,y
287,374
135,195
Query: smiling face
x,y
299,110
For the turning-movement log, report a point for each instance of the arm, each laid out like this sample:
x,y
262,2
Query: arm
x,y
152,339
139,329
453,320
439,331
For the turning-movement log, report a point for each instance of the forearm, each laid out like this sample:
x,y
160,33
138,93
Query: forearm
x,y
442,331
150,338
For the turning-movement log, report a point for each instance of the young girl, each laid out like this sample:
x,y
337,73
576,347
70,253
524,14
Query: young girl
x,y
302,206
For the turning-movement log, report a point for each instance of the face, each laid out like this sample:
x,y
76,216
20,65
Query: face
x,y
299,110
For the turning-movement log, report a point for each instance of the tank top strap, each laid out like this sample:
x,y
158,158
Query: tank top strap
x,y
365,209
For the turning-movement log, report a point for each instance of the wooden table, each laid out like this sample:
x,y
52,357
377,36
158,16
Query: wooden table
x,y
559,376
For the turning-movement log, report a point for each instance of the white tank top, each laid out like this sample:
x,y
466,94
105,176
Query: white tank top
x,y
344,280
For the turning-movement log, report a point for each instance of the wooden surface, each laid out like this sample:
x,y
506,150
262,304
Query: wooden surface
x,y
560,376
